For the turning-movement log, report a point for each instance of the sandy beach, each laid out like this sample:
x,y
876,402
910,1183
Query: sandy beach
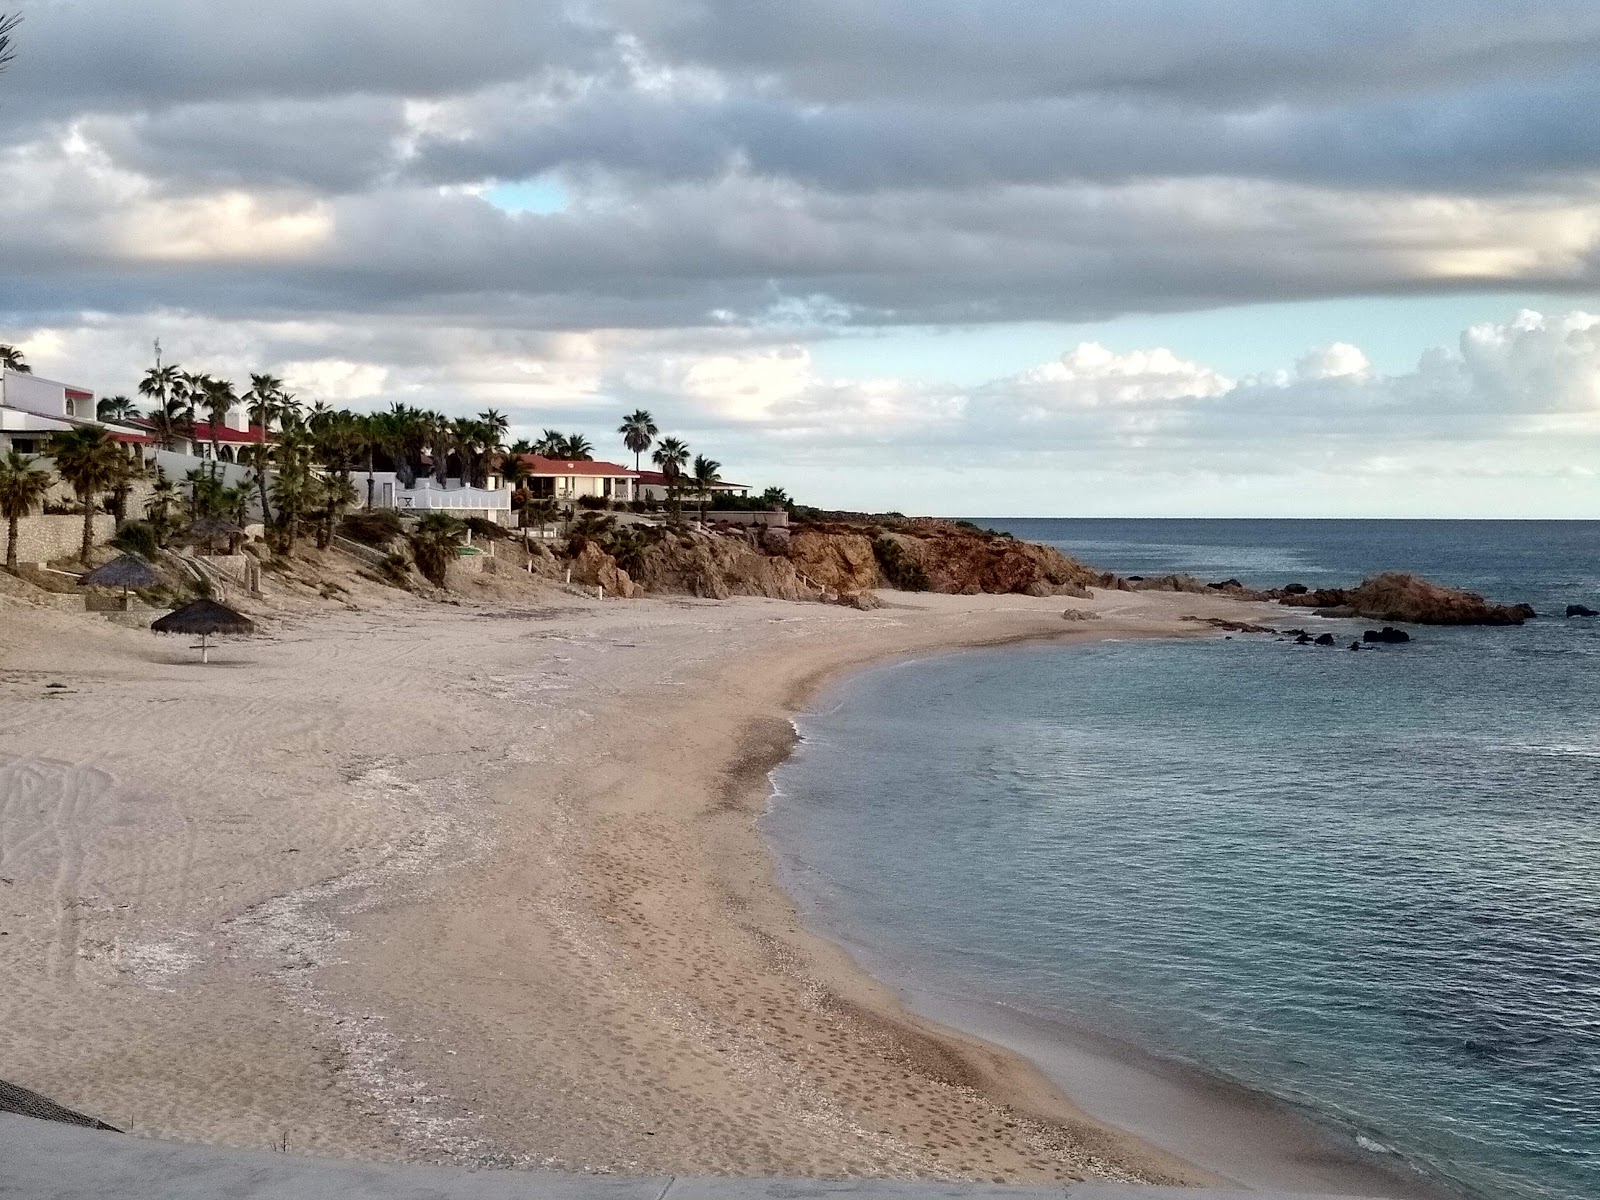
x,y
483,884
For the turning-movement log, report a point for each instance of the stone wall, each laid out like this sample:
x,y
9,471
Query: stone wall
x,y
43,539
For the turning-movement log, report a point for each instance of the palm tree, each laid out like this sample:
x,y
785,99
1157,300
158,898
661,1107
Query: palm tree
x,y
706,477
522,446
495,422
216,395
335,495
191,388
434,542
576,448
292,481
671,455
11,360
265,402
158,509
550,443
638,430
7,25
22,485
91,462
776,498
116,408
159,383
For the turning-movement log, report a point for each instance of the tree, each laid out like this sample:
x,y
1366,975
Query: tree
x,y
671,456
576,448
497,425
265,402
216,396
23,484
292,481
158,509
434,543
638,430
7,25
522,446
335,494
11,359
116,408
91,462
159,385
705,478
549,443
776,498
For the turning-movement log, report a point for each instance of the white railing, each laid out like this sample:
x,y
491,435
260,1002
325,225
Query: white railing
x,y
431,496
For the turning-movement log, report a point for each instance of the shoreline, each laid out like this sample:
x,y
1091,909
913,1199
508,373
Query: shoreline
x,y
1232,1133
493,892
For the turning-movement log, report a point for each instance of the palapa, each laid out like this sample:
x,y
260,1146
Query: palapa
x,y
204,618
125,571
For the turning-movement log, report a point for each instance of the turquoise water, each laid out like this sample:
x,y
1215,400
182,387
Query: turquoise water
x,y
1366,883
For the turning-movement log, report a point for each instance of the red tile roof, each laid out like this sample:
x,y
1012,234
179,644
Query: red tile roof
x,y
202,432
657,479
539,465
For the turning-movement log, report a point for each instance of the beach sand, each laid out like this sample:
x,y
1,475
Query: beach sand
x,y
484,885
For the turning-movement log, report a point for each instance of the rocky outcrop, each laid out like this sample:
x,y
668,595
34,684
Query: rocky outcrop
x,y
935,556
1189,584
593,567
716,567
1581,610
1399,597
843,562
1230,626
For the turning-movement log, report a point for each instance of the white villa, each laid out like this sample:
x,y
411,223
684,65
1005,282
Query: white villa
x,y
652,486
570,479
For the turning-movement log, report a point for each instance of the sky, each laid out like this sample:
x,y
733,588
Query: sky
x,y
1151,258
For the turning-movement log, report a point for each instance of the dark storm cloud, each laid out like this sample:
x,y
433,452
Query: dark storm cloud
x,y
891,162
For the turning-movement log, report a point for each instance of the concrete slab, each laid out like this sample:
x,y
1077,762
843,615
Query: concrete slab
x,y
44,1160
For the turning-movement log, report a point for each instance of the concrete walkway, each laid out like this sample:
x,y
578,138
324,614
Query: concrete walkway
x,y
43,1160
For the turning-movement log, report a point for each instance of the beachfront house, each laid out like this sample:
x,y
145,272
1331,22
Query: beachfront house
x,y
653,487
32,408
569,480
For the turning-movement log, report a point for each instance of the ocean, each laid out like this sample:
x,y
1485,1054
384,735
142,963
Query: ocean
x,y
1366,884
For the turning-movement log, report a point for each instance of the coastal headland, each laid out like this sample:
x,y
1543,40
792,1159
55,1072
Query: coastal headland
x,y
483,884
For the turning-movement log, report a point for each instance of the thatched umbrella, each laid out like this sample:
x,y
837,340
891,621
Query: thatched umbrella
x,y
208,531
204,617
125,571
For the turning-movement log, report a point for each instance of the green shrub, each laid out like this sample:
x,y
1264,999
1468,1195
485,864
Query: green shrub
x,y
593,503
899,568
137,537
481,528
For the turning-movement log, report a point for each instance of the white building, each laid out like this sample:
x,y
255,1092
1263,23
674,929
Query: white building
x,y
571,479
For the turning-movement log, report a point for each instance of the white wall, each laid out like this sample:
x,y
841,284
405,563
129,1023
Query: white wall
x,y
36,395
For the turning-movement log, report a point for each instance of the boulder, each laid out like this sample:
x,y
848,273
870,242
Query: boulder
x,y
1325,640
1395,596
1355,645
1303,640
865,601
1388,634
1295,589
1581,610
1079,614
1230,626
595,568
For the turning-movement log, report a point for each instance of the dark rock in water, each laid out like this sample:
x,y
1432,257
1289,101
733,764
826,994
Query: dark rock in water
x,y
1355,645
1295,589
1227,583
1581,610
1325,640
1135,578
1387,634
1303,640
